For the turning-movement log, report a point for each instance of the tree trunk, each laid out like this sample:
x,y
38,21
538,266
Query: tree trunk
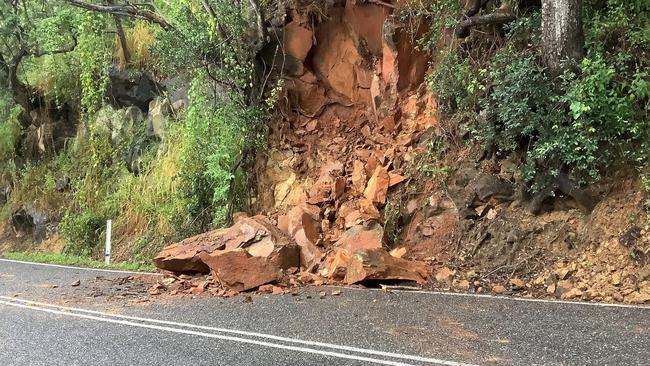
x,y
121,36
562,35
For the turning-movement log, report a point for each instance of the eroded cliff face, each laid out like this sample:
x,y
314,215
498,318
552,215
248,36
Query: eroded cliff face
x,y
353,112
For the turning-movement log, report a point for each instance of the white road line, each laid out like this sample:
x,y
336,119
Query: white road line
x,y
497,297
217,336
245,333
423,292
78,268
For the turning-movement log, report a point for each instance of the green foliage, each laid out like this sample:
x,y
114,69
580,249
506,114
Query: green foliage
x,y
456,84
605,122
581,122
9,128
94,56
441,15
518,104
222,47
215,137
81,232
77,260
622,24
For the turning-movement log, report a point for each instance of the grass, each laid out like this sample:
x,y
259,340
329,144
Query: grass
x,y
79,261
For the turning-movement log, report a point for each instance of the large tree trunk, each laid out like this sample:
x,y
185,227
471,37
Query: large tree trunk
x,y
562,35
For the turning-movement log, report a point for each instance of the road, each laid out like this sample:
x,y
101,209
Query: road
x,y
46,321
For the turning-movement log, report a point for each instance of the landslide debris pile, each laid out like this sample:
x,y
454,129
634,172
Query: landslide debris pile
x,y
254,252
349,123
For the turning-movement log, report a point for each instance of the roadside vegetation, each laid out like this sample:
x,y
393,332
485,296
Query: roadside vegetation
x,y
584,121
192,178
75,260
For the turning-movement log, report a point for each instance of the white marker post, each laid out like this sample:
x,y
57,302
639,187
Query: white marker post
x,y
107,251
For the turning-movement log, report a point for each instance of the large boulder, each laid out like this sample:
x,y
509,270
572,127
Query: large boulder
x,y
374,264
182,257
119,123
237,269
378,264
368,235
159,112
256,235
28,221
302,223
131,88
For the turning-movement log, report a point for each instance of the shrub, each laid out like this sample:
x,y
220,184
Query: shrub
x,y
583,124
9,128
82,233
215,136
456,84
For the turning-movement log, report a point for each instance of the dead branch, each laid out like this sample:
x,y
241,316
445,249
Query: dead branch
x,y
128,10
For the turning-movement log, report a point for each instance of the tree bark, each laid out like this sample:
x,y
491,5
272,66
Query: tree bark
x,y
562,34
121,36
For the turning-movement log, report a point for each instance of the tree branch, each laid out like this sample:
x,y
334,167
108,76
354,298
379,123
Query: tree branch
x,y
463,28
129,10
70,48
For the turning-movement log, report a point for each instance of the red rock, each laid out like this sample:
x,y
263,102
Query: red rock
x,y
372,164
256,234
298,39
310,97
359,178
252,230
183,256
240,271
395,179
336,264
320,192
398,252
369,209
377,187
388,123
238,216
353,218
302,223
378,264
368,235
339,187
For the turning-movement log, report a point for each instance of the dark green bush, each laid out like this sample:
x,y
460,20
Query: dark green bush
x,y
81,232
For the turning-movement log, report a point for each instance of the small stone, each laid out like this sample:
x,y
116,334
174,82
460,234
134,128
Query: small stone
x,y
517,283
76,283
550,289
571,294
498,289
461,285
444,274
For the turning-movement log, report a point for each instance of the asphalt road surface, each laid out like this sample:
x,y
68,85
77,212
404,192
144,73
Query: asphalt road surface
x,y
44,320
